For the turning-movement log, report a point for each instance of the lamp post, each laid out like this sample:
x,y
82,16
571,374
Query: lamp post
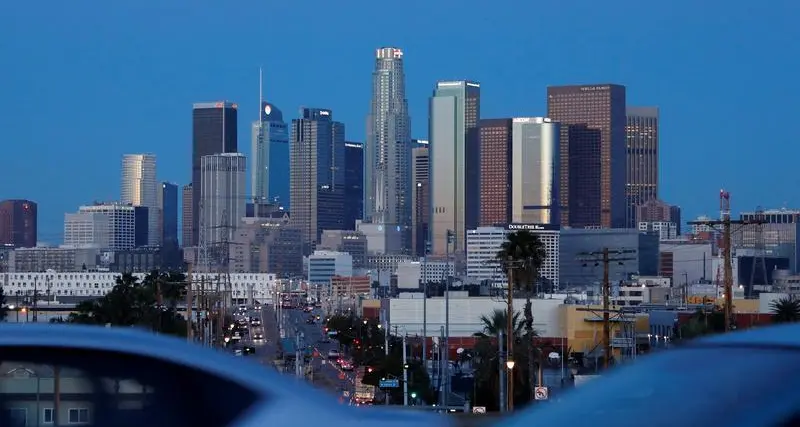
x,y
510,367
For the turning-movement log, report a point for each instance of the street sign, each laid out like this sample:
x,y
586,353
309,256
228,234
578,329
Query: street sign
x,y
541,393
479,410
391,383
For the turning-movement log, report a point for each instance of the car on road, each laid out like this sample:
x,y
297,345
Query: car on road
x,y
248,349
333,354
346,365
191,385
258,337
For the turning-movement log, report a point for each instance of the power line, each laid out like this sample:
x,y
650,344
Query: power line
x,y
606,256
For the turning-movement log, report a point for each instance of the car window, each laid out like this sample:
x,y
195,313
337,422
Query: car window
x,y
49,386
684,387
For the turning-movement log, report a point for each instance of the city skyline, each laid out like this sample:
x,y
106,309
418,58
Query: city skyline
x,y
657,79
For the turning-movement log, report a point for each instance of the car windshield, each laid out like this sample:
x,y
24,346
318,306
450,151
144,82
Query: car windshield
x,y
698,381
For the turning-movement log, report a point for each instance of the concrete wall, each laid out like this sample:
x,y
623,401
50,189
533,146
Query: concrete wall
x,y
465,314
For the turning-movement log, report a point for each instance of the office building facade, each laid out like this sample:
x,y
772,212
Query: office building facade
x,y
534,171
187,215
317,174
454,164
270,158
112,226
641,135
18,223
353,184
168,210
224,196
214,131
495,173
592,153
421,198
387,149
139,187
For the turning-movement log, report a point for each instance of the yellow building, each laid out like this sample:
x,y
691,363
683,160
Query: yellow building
x,y
583,329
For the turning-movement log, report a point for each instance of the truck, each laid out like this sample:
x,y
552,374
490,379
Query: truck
x,y
364,393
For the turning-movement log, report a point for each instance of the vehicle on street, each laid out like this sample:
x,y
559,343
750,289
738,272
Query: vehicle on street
x,y
346,365
333,354
258,337
248,349
191,385
748,379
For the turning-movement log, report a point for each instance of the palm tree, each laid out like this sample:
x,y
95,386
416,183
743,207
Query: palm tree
x,y
522,256
786,310
497,322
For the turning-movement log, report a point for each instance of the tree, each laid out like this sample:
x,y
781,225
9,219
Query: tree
x,y
497,322
3,306
522,256
702,322
149,304
785,310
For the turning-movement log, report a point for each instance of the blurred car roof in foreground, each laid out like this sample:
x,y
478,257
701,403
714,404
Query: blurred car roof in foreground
x,y
746,379
281,399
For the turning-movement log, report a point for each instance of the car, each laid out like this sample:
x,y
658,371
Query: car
x,y
248,350
333,354
186,384
346,365
258,337
739,379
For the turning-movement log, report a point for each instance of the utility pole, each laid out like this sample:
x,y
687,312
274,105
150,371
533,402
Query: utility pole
x,y
606,256
386,345
726,223
405,373
189,304
425,306
446,355
502,369
510,340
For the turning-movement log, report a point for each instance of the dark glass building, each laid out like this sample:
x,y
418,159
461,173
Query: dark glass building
x,y
18,223
641,134
168,203
353,184
213,132
592,117
317,181
141,226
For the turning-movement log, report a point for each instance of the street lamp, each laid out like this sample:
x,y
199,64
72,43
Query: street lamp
x,y
510,366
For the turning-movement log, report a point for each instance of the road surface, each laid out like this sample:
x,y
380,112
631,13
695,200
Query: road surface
x,y
326,374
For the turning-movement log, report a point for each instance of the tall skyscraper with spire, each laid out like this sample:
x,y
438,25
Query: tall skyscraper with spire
x,y
270,155
387,150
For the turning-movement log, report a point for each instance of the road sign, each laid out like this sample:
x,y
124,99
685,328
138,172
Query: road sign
x,y
479,410
390,383
541,393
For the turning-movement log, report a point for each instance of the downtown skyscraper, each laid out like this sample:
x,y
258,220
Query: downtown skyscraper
x,y
454,164
270,156
642,144
317,181
214,131
387,150
139,187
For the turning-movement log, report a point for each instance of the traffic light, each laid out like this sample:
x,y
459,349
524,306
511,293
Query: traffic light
x,y
369,369
405,366
413,394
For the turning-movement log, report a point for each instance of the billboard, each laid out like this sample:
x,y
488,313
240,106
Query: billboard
x,y
533,227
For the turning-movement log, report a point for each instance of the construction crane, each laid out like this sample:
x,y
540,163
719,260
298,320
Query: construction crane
x,y
725,223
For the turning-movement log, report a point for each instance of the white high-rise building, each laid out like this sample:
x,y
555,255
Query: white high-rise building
x,y
387,149
104,225
223,197
484,243
140,188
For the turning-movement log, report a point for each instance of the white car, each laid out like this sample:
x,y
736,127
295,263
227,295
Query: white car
x,y
333,354
95,361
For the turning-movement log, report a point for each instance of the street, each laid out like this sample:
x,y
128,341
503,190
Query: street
x,y
326,373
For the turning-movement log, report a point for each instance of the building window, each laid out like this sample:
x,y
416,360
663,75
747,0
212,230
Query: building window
x,y
47,416
78,416
17,416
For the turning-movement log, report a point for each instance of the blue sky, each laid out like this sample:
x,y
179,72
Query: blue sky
x,y
84,81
